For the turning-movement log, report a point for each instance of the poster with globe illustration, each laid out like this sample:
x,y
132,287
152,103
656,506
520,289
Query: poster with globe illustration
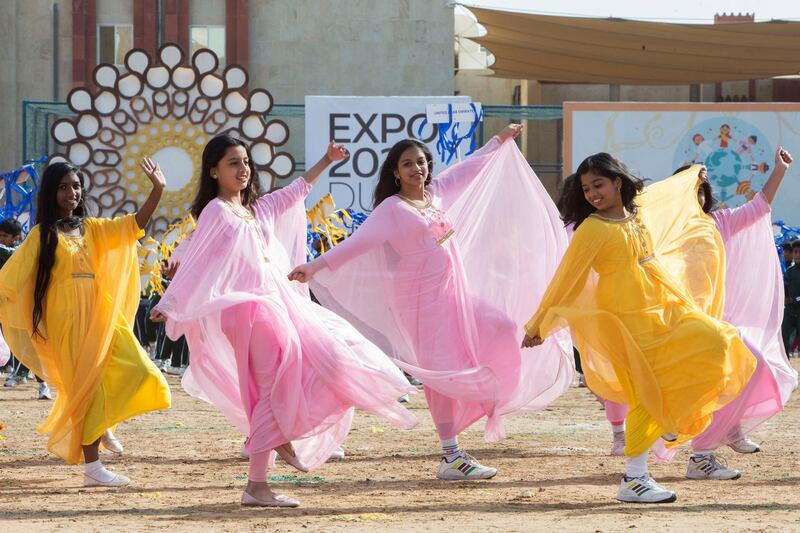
x,y
735,141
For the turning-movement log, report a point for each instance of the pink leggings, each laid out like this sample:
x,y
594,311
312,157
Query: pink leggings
x,y
263,362
615,412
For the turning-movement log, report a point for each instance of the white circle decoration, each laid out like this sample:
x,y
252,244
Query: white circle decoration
x,y
171,119
211,85
235,77
64,132
88,125
158,77
137,61
130,86
79,153
106,76
235,103
183,77
80,100
171,55
177,165
105,103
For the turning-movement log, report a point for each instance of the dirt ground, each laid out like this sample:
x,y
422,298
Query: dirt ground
x,y
554,474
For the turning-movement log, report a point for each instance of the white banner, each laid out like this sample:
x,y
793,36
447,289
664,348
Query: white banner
x,y
735,141
368,126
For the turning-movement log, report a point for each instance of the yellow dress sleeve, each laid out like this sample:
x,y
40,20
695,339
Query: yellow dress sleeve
x,y
570,277
110,233
17,278
17,281
685,239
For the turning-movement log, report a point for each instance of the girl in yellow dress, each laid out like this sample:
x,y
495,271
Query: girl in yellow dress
x,y
625,290
67,302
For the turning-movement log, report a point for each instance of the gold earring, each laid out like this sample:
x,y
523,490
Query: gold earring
x,y
397,182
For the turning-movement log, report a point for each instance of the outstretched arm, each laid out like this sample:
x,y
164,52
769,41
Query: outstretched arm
x,y
153,172
278,201
335,152
452,181
783,161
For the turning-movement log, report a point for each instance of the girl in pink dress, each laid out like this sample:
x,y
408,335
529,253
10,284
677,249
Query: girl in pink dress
x,y
432,277
287,372
754,304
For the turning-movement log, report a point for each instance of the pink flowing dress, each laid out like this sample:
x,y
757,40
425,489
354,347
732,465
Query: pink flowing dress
x,y
5,351
279,367
440,289
754,301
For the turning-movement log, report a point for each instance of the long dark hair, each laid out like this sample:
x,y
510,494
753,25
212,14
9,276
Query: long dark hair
x,y
710,202
209,187
47,217
387,186
562,199
575,208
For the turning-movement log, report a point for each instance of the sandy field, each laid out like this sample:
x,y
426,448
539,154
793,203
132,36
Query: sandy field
x,y
554,474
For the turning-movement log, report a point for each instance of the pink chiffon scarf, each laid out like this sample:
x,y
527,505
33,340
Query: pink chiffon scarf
x,y
449,307
230,283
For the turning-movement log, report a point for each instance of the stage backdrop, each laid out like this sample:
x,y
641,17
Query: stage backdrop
x,y
368,126
736,141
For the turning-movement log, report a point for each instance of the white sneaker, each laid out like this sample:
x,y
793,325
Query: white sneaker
x,y
13,381
643,490
744,445
118,480
175,371
44,392
464,466
404,398
338,454
582,381
618,447
110,443
707,466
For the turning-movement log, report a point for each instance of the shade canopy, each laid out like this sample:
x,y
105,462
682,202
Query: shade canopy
x,y
628,52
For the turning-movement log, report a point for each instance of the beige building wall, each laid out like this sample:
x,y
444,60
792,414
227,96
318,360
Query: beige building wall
x,y
206,13
26,65
297,47
350,48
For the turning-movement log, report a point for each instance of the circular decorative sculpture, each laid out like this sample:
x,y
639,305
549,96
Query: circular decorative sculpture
x,y
168,110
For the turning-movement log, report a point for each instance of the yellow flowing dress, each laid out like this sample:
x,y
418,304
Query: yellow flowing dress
x,y
88,353
638,295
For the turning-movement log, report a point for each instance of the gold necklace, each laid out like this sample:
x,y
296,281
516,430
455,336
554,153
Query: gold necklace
x,y
239,210
418,204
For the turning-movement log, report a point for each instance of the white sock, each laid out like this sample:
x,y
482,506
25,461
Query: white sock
x,y
450,447
96,470
701,453
618,428
636,466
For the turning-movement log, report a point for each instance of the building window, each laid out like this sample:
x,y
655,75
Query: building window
x,y
211,37
113,42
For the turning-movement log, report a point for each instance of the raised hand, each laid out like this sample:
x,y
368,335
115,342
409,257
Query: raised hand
x,y
783,159
336,152
170,270
153,171
510,132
